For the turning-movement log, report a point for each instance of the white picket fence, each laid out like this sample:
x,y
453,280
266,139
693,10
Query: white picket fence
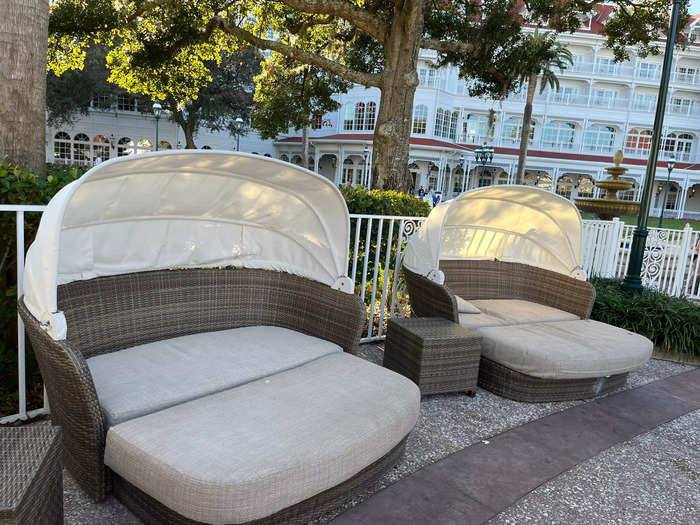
x,y
670,265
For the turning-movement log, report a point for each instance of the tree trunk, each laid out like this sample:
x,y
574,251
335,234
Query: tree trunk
x,y
23,42
393,127
525,132
305,148
188,129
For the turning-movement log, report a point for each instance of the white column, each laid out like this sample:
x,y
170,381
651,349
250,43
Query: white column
x,y
683,196
317,158
467,173
339,166
555,176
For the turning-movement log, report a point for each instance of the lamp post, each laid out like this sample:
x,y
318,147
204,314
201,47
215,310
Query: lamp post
x,y
671,165
633,279
484,156
112,143
157,110
238,129
365,156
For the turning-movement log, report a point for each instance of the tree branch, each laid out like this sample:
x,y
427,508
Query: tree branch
x,y
444,46
366,79
146,7
357,16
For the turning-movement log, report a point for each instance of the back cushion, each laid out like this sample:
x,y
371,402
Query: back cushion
x,y
111,313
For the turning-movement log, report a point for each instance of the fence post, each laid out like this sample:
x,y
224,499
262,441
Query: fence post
x,y
684,255
613,247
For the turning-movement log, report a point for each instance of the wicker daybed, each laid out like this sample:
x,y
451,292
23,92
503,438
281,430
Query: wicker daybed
x,y
194,325
505,261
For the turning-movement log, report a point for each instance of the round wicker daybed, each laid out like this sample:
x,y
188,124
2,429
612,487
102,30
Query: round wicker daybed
x,y
193,320
505,261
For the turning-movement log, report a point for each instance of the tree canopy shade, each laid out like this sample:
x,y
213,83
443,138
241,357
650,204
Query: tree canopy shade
x,y
369,42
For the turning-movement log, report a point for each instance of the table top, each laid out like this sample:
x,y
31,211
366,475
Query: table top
x,y
22,452
433,328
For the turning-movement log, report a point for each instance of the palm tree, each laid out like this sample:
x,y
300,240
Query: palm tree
x,y
23,41
546,56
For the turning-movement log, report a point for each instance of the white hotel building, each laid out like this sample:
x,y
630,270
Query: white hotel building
x,y
601,106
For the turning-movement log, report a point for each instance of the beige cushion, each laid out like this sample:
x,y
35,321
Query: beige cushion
x,y
142,379
465,307
474,321
516,311
566,349
250,451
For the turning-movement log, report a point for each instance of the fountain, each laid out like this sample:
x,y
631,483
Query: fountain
x,y
610,206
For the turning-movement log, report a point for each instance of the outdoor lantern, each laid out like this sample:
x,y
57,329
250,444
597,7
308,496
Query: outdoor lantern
x,y
238,128
484,155
157,111
671,164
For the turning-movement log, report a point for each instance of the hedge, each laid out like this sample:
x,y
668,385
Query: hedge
x,y
376,202
672,323
19,186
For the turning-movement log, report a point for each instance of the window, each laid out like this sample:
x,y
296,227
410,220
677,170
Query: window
x,y
628,195
485,178
125,146
565,186
539,179
206,147
350,172
686,74
62,146
643,102
317,122
420,119
164,144
679,144
144,145
433,178
284,157
371,115
100,148
513,128
359,116
638,141
586,187
428,77
565,95
476,129
559,135
457,179
606,65
453,125
649,71
126,103
81,148
439,122
604,97
100,102
599,138
681,105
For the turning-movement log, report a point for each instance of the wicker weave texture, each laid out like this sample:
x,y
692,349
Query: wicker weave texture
x,y
503,280
152,512
31,478
111,313
438,355
429,299
509,383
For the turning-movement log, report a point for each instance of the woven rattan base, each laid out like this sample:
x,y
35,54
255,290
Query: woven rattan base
x,y
152,512
506,382
31,491
438,355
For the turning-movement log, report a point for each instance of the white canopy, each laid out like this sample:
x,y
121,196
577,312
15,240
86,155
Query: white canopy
x,y
510,223
187,209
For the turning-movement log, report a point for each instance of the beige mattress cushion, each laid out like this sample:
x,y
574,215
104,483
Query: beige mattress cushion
x,y
146,378
566,350
516,311
248,452
465,307
474,321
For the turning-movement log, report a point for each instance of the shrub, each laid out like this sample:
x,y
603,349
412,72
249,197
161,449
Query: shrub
x,y
376,202
672,323
19,186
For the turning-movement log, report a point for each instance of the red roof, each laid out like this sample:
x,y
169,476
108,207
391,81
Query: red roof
x,y
369,137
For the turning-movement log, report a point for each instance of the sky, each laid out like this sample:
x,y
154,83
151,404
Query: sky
x,y
694,7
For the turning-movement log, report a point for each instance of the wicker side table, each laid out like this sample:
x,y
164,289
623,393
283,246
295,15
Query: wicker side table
x,y
437,354
31,479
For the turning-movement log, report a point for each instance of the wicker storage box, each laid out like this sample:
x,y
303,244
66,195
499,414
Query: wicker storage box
x,y
31,478
438,355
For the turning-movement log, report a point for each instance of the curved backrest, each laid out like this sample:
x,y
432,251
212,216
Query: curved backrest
x,y
473,280
111,313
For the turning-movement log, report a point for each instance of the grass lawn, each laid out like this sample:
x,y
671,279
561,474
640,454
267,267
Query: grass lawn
x,y
674,224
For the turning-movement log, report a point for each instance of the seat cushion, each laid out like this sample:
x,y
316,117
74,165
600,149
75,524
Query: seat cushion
x,y
516,311
145,378
465,307
475,321
248,452
567,349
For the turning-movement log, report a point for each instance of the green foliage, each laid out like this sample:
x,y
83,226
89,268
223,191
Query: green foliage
x,y
19,186
289,97
389,202
672,323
